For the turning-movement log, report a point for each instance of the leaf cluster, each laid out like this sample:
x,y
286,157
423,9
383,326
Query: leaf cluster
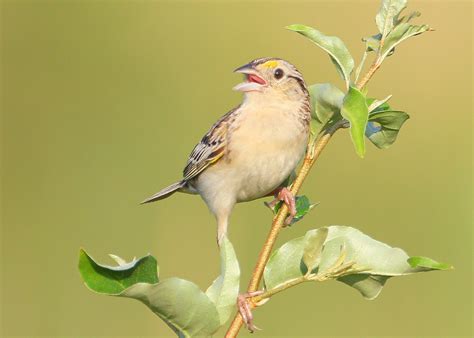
x,y
365,116
186,309
336,252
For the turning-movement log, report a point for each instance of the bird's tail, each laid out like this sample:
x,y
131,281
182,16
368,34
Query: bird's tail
x,y
168,191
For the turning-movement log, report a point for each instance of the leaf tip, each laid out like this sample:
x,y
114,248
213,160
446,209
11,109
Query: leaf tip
x,y
82,254
293,27
428,263
361,153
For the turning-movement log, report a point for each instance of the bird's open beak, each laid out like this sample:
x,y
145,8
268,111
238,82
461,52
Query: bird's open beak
x,y
254,82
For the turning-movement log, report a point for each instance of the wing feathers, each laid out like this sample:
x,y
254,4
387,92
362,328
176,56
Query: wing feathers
x,y
211,148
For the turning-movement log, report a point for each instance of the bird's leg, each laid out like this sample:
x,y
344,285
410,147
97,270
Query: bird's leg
x,y
222,224
245,309
284,194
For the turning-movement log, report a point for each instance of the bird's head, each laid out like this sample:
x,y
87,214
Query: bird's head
x,y
272,76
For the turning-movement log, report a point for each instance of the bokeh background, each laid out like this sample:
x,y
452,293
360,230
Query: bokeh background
x,y
102,101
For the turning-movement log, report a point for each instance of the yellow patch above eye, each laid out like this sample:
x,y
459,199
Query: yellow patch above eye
x,y
270,64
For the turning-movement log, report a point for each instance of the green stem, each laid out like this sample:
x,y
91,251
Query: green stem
x,y
361,65
338,269
280,288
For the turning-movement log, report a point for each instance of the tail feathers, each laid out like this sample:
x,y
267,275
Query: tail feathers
x,y
168,191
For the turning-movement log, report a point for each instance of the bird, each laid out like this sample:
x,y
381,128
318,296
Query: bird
x,y
251,151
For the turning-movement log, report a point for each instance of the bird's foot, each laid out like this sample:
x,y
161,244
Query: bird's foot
x,y
286,196
245,309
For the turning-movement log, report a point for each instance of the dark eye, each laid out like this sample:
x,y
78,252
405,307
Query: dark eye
x,y
278,73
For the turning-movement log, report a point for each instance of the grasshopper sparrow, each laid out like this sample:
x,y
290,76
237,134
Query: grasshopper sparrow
x,y
251,151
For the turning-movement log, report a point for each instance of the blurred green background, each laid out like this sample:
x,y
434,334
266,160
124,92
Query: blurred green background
x,y
102,101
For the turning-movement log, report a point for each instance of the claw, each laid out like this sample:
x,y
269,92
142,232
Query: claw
x,y
285,195
245,309
271,204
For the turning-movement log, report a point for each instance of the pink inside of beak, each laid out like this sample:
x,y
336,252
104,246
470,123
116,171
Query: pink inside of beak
x,y
255,78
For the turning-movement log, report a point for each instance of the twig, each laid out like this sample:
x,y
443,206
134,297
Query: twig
x,y
278,221
375,65
361,84
339,269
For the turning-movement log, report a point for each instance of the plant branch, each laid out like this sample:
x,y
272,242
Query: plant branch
x,y
312,154
278,289
338,269
376,65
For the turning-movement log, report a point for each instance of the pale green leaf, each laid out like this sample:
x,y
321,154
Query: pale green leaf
x,y
369,286
381,107
400,33
316,127
410,17
180,303
333,45
388,14
355,110
224,290
383,127
372,43
285,263
313,248
326,103
374,261
377,105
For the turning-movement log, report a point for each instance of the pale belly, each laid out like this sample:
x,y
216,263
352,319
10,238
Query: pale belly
x,y
266,174
254,167
264,146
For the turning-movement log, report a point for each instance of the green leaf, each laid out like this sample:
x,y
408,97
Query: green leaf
x,y
303,206
333,45
400,33
387,15
180,303
381,107
425,262
316,127
369,286
285,264
373,262
313,248
113,280
372,43
326,103
224,290
355,110
393,30
383,127
378,105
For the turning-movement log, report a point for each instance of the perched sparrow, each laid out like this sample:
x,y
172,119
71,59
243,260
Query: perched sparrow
x,y
250,151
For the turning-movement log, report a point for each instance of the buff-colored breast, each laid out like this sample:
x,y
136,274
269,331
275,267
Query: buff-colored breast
x,y
265,145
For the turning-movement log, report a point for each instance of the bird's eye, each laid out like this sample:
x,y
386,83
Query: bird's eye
x,y
278,73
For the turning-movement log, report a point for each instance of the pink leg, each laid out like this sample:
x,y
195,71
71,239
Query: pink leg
x,y
284,194
245,309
